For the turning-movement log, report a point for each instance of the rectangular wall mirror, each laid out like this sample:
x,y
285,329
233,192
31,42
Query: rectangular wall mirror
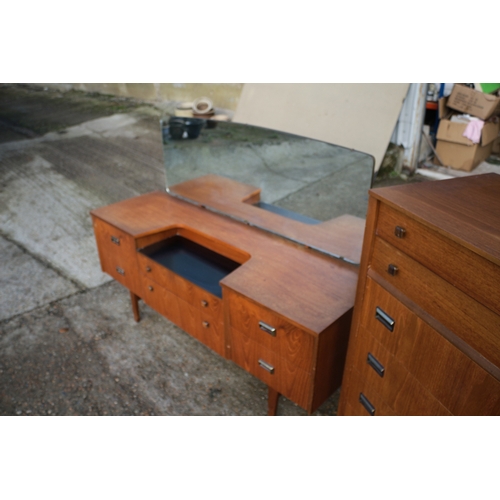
x,y
305,190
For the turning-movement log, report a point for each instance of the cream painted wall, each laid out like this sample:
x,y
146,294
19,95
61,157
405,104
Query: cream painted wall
x,y
361,116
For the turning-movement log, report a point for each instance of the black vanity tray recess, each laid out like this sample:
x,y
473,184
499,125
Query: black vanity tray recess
x,y
193,262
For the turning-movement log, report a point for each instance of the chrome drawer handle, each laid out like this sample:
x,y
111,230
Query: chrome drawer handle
x,y
400,232
385,319
266,366
148,269
204,303
150,288
375,364
392,269
119,270
366,403
267,328
206,324
115,240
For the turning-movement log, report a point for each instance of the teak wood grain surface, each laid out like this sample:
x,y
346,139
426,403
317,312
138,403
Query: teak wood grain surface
x,y
339,236
285,310
278,273
425,338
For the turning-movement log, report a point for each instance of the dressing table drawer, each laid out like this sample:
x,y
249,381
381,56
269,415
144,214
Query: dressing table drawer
x,y
117,254
184,289
282,375
271,331
204,324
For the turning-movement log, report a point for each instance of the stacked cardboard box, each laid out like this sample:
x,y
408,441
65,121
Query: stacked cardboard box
x,y
455,150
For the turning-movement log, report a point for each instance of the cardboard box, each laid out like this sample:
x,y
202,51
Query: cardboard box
x,y
473,102
496,146
444,111
460,153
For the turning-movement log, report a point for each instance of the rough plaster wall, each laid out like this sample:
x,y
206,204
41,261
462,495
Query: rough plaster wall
x,y
224,95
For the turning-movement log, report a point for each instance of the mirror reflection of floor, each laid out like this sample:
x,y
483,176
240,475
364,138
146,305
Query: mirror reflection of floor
x,y
315,179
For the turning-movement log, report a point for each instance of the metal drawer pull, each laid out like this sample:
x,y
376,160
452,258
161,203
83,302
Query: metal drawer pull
x,y
204,303
385,319
392,269
150,288
375,364
206,324
148,269
400,232
267,328
119,270
366,403
115,240
266,366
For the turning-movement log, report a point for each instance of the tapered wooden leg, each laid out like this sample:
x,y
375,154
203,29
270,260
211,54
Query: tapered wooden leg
x,y
135,306
272,402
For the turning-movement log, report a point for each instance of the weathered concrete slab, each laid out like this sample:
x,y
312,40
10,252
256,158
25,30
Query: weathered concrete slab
x,y
39,111
86,355
51,183
26,283
49,215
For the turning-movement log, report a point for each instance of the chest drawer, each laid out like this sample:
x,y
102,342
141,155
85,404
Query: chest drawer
x,y
360,402
271,331
453,378
412,398
389,321
457,382
383,374
117,254
475,324
468,271
278,373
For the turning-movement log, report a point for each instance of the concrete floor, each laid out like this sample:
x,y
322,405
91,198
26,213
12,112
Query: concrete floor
x,y
68,341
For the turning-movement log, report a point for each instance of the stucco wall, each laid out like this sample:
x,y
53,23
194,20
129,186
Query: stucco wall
x,y
223,95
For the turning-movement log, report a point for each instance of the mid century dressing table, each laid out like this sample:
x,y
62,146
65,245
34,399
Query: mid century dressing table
x,y
223,256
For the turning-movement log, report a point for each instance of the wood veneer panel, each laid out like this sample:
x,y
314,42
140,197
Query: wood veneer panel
x,y
288,379
467,318
399,342
330,359
352,405
117,255
453,378
323,286
464,210
288,342
471,273
188,318
368,240
340,237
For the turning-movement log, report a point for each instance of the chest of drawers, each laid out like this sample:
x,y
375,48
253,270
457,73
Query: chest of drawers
x,y
425,338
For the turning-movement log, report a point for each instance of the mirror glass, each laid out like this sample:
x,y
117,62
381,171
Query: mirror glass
x,y
299,179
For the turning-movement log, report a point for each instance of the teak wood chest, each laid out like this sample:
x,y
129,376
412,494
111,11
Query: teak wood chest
x,y
425,338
